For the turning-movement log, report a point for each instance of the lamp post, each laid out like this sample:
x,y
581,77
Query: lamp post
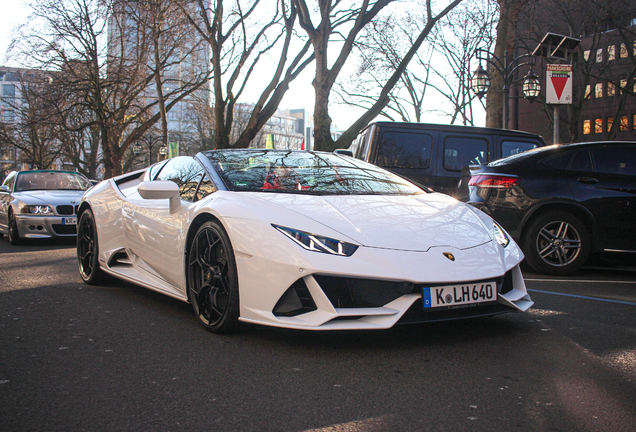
x,y
150,143
506,67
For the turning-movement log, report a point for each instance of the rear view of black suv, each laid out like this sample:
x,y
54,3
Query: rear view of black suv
x,y
432,154
563,202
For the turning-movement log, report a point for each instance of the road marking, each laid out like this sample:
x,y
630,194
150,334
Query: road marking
x,y
584,297
579,281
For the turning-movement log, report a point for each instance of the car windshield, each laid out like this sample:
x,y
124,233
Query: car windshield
x,y
50,180
305,172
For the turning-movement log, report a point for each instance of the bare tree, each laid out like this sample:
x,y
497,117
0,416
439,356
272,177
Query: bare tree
x,y
466,28
450,48
240,38
103,63
337,22
381,47
177,58
34,129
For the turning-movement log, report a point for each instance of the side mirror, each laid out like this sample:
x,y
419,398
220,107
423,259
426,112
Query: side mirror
x,y
4,189
161,190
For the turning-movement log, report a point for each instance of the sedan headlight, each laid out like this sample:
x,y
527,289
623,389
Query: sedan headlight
x,y
499,234
316,243
37,209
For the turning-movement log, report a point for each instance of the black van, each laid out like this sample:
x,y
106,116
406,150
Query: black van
x,y
433,155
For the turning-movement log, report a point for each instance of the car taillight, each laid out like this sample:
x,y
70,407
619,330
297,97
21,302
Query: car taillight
x,y
493,181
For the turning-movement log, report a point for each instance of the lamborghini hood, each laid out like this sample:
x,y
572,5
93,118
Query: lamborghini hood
x,y
413,223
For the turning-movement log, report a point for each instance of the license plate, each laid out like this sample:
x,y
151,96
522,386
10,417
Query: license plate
x,y
459,295
69,221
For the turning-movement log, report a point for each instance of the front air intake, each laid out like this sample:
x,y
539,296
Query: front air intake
x,y
295,301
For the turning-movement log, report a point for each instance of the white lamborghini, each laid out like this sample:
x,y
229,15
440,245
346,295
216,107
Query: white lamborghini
x,y
297,239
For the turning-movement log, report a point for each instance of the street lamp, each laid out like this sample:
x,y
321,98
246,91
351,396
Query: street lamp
x,y
163,150
531,86
481,81
150,143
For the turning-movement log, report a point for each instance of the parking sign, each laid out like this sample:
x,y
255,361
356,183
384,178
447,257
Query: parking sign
x,y
559,84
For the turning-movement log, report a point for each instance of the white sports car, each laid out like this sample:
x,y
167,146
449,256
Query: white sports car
x,y
297,239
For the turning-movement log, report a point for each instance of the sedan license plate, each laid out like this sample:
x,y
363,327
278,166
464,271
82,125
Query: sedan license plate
x,y
459,295
69,221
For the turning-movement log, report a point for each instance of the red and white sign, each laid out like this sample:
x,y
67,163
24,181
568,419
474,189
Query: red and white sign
x,y
559,84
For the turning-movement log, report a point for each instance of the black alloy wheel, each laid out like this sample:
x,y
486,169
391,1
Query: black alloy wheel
x,y
88,250
14,235
556,243
213,280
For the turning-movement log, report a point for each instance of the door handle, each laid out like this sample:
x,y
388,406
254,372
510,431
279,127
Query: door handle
x,y
587,180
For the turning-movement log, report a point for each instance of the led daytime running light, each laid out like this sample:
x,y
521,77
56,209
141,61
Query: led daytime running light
x,y
500,235
36,209
317,243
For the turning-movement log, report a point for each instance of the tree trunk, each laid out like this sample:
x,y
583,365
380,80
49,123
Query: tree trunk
x,y
506,38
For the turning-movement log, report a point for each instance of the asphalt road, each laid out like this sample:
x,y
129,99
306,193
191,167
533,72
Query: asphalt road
x,y
121,358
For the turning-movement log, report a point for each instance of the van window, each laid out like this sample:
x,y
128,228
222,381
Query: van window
x,y
460,151
509,148
404,150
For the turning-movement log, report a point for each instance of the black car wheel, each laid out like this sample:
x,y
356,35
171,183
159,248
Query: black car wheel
x,y
88,250
556,243
14,235
213,280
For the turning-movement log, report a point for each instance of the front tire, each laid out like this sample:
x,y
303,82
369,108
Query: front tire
x,y
556,243
213,279
88,250
14,235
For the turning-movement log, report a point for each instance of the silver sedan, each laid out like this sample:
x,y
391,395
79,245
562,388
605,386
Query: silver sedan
x,y
40,204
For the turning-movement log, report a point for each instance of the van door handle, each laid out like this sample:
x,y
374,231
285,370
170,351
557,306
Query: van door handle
x,y
587,180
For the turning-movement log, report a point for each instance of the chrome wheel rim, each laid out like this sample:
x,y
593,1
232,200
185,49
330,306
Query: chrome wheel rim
x,y
209,281
558,243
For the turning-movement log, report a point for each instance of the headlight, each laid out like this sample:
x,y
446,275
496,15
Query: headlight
x,y
317,243
499,234
36,209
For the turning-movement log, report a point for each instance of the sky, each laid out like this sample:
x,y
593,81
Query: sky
x,y
299,96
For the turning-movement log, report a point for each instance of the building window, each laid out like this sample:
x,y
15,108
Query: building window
x,y
634,122
598,90
586,55
623,86
598,126
624,51
611,52
610,122
624,124
587,127
599,55
588,91
611,89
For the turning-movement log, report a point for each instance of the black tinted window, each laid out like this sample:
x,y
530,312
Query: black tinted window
x,y
460,151
509,148
581,161
560,162
615,160
185,172
404,150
